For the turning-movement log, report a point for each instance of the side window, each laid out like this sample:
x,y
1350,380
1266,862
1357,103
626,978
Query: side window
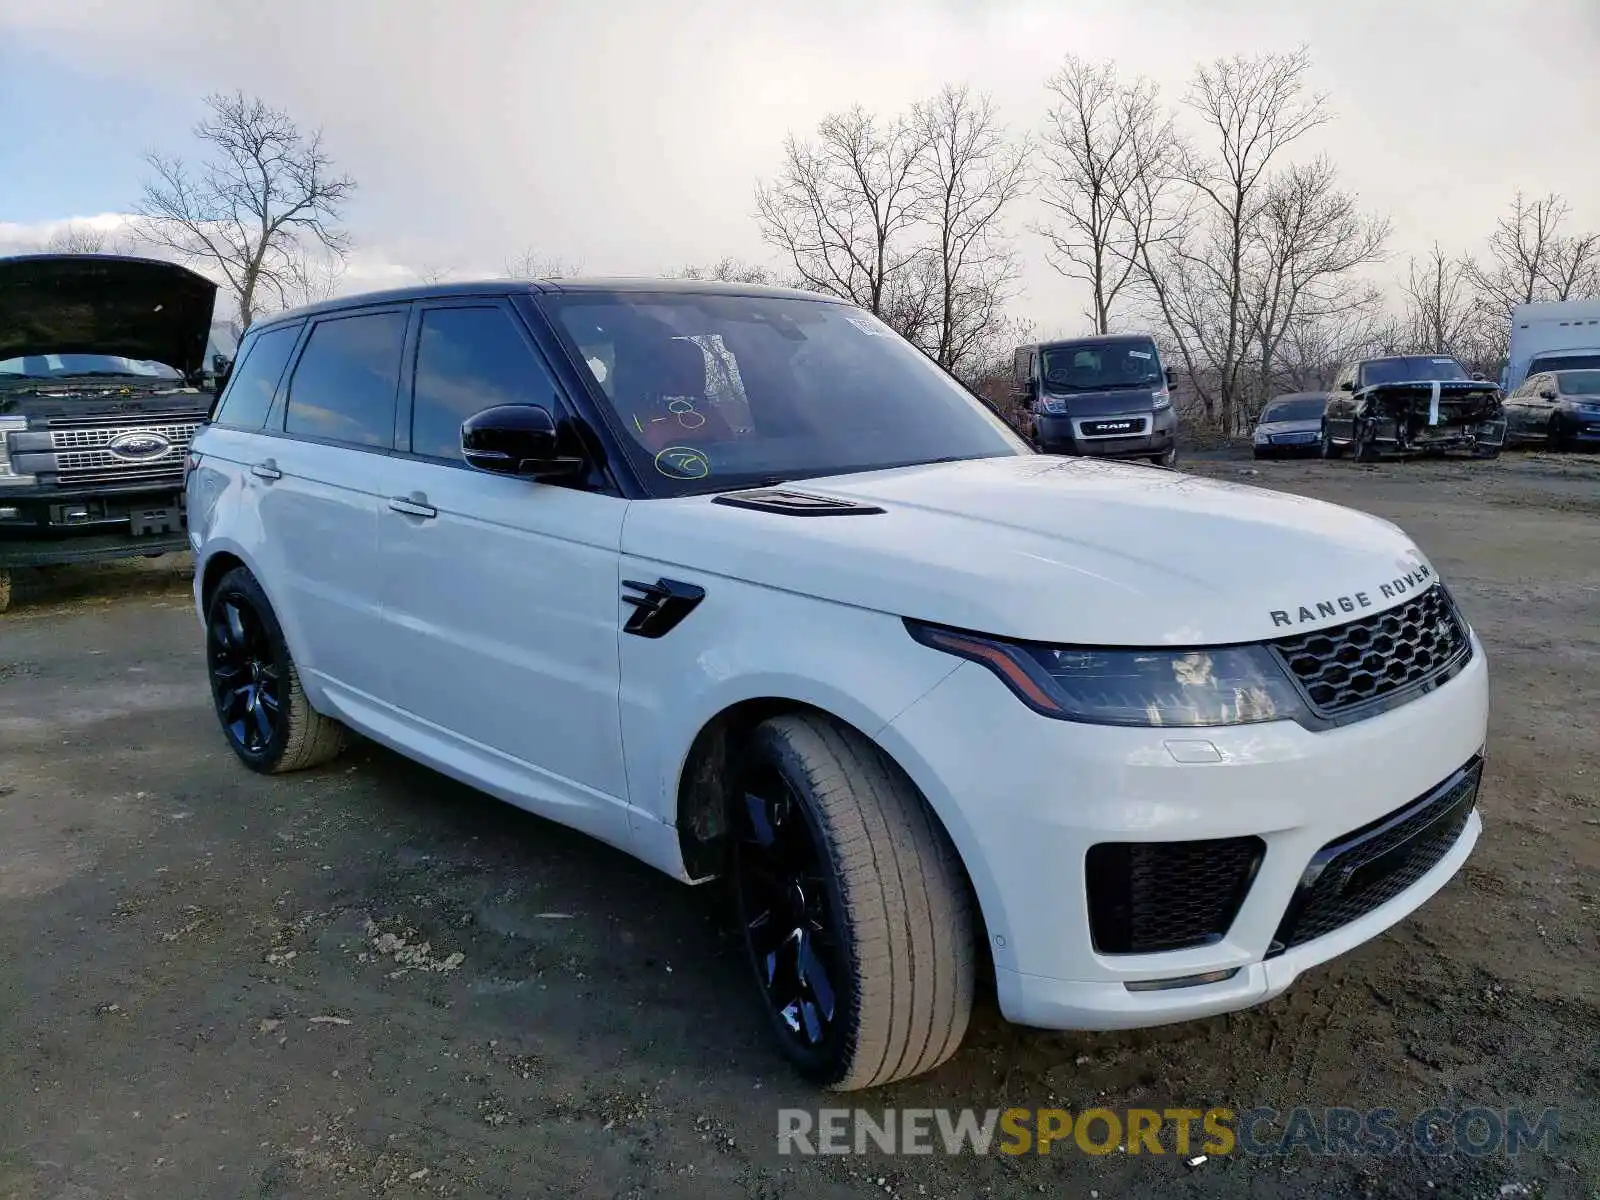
x,y
470,359
344,386
248,396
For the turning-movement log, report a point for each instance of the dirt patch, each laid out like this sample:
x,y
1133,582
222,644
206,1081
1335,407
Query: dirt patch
x,y
367,980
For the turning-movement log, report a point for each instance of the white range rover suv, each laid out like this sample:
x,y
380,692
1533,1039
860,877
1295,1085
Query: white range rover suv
x,y
736,580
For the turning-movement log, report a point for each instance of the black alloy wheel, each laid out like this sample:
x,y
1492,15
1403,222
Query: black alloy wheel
x,y
247,676
788,906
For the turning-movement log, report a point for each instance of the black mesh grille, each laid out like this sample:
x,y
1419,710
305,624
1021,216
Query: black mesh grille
x,y
1148,896
1357,873
1405,649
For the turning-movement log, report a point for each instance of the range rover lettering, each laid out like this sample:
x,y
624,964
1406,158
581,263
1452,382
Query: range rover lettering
x,y
736,580
102,386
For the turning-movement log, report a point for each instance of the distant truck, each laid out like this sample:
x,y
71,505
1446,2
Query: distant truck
x,y
1562,335
1108,396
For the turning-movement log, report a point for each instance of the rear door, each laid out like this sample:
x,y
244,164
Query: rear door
x,y
501,593
320,475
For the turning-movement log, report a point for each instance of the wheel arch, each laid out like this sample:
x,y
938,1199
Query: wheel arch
x,y
705,794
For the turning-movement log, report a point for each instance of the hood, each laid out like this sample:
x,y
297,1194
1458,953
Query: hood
x,y
1110,402
137,308
1054,549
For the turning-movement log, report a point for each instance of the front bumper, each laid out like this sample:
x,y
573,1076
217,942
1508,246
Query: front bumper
x,y
1057,434
1024,797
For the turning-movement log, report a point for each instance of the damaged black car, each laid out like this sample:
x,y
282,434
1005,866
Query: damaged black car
x,y
102,385
1412,404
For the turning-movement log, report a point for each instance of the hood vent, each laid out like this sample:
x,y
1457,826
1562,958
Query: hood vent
x,y
796,504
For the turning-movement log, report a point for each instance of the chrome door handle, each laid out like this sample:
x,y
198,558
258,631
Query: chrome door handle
x,y
266,470
414,505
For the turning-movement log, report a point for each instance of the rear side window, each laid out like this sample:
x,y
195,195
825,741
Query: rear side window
x,y
254,381
344,386
470,359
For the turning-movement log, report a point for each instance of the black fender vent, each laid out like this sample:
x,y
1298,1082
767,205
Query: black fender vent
x,y
796,504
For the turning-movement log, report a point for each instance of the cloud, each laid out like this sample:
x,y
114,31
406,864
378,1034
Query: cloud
x,y
628,135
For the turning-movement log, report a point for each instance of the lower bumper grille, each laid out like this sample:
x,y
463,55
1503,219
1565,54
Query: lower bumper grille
x,y
1365,869
1152,896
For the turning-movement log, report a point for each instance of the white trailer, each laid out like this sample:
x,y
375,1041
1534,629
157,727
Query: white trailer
x,y
1557,335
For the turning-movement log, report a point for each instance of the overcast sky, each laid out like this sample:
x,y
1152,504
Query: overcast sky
x,y
627,135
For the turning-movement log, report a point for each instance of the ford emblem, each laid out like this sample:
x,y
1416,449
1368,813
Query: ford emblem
x,y
139,445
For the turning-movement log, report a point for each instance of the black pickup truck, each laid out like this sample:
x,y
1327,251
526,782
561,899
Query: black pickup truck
x,y
1412,404
103,382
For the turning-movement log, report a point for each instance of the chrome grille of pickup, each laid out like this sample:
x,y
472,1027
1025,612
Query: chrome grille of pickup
x,y
1403,650
83,455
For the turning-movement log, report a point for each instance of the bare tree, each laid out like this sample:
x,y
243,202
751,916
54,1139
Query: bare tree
x,y
1253,108
74,238
970,174
1108,149
843,209
311,278
1440,306
1310,237
431,273
1530,259
266,195
530,263
727,270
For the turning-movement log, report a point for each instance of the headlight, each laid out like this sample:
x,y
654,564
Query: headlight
x,y
1222,685
1261,438
1163,399
8,474
1054,404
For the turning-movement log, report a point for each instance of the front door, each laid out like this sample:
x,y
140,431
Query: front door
x,y
501,593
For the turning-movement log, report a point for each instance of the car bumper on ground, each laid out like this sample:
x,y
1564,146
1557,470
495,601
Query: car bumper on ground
x,y
1155,434
1026,807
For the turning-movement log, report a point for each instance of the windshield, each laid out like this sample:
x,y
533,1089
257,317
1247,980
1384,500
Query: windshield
x,y
1564,362
1095,366
1579,383
1417,368
61,366
1299,409
711,392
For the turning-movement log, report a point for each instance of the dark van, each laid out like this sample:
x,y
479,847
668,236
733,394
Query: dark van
x,y
1108,396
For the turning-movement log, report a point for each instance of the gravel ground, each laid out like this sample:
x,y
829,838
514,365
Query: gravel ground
x,y
368,980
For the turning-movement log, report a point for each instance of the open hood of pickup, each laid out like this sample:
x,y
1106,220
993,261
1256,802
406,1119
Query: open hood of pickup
x,y
138,308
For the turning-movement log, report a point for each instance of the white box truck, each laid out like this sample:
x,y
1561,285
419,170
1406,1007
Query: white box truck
x,y
1556,335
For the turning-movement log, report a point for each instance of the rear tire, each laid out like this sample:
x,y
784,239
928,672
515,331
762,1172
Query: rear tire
x,y
853,906
255,687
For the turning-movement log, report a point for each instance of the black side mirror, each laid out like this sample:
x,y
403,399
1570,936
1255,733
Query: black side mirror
x,y
1167,371
516,439
1347,386
1548,394
1478,377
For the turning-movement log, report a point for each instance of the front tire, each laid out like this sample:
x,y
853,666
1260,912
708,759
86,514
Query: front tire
x,y
1556,437
1366,443
853,906
255,687
1327,448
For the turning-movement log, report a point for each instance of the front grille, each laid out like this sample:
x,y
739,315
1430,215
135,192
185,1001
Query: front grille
x,y
1401,652
82,455
1355,874
1152,896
